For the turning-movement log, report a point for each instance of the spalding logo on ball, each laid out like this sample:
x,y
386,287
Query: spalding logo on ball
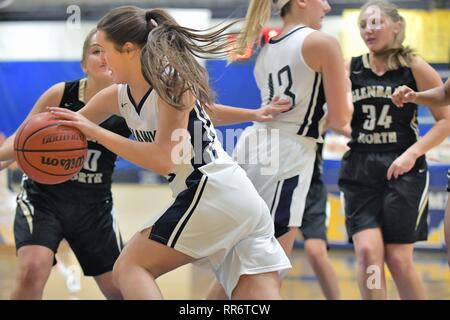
x,y
47,151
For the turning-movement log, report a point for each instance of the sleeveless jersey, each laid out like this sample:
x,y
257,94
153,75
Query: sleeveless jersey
x,y
377,124
281,70
93,182
204,146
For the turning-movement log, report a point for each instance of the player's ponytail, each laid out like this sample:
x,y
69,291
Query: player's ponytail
x,y
397,55
168,50
258,13
169,61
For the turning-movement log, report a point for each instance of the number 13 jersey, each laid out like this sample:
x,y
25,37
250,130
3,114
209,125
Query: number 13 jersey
x,y
377,124
280,70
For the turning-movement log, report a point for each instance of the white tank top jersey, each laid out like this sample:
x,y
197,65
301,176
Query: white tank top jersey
x,y
206,148
281,70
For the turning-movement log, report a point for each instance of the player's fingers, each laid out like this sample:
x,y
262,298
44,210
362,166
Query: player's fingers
x,y
410,95
390,172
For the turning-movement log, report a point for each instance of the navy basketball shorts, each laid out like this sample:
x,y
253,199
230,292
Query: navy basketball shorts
x,y
399,206
315,217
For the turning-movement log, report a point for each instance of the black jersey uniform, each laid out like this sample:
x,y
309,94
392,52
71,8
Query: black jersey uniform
x,y
380,133
79,210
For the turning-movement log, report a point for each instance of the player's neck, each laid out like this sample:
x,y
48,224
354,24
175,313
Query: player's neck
x,y
138,87
377,64
94,86
290,22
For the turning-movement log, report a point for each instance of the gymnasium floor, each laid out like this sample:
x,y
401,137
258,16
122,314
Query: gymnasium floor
x,y
191,282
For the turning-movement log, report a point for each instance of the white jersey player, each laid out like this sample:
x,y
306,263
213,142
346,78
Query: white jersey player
x,y
216,215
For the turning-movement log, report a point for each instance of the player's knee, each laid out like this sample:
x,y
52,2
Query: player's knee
x,y
33,274
368,255
118,270
399,263
257,287
316,252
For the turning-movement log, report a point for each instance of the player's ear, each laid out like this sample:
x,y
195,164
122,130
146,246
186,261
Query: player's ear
x,y
83,67
301,3
128,47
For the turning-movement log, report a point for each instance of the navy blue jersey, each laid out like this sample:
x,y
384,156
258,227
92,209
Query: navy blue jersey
x,y
93,182
377,124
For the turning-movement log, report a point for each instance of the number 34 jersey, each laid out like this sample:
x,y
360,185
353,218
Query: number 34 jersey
x,y
281,71
377,124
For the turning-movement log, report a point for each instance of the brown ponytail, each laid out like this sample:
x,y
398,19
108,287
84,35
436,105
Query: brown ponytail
x,y
168,51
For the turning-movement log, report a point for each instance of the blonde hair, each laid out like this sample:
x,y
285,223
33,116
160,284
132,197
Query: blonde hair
x,y
87,44
397,55
258,13
168,53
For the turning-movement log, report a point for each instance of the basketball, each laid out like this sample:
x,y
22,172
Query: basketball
x,y
48,152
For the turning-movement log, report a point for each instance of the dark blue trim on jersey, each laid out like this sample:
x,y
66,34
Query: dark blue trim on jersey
x,y
166,224
138,107
183,225
319,113
201,157
283,211
274,197
210,127
313,94
272,41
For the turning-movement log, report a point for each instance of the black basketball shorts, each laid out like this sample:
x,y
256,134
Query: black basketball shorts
x,y
399,206
89,228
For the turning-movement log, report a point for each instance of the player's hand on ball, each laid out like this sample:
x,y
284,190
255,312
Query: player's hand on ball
x,y
75,119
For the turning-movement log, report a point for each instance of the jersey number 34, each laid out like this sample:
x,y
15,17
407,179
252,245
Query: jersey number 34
x,y
384,120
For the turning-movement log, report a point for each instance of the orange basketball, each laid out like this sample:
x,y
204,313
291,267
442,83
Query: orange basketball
x,y
48,152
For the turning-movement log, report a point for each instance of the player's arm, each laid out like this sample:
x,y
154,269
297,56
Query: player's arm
x,y
323,54
426,78
347,129
102,105
222,115
156,156
50,98
435,97
159,156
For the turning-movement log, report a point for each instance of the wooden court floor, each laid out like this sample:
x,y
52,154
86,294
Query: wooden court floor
x,y
135,204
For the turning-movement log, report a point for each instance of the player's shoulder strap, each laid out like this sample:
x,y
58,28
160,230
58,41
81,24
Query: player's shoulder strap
x,y
356,63
74,92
